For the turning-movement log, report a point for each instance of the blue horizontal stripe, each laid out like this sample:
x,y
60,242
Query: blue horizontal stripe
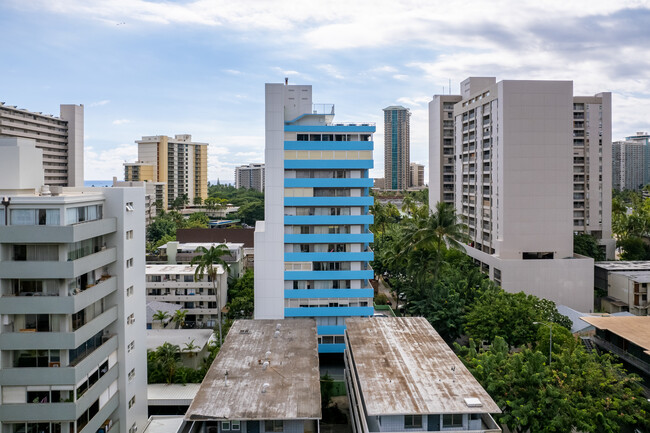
x,y
328,275
329,311
329,238
330,128
329,257
329,293
331,330
329,201
328,145
331,348
358,164
362,182
326,220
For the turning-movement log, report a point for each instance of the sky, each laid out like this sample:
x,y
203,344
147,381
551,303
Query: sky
x,y
150,67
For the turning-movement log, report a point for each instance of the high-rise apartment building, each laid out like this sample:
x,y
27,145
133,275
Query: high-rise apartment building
x,y
250,176
61,138
397,147
311,251
628,165
72,302
179,162
531,167
416,175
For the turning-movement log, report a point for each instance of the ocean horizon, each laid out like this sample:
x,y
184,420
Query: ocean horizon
x,y
98,183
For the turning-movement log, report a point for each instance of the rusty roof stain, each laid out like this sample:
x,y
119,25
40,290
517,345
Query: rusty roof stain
x,y
632,328
292,376
405,367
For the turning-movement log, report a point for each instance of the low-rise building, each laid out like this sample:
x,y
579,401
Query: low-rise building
x,y
177,252
401,376
626,337
626,284
176,284
265,379
193,344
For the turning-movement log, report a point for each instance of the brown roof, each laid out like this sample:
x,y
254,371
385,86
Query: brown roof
x,y
291,380
632,328
404,367
235,236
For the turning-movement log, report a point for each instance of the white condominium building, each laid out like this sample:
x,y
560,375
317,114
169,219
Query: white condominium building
x,y
61,138
250,176
311,251
530,165
72,302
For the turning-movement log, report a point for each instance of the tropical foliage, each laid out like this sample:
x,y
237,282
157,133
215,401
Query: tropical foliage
x,y
631,225
241,296
164,364
207,262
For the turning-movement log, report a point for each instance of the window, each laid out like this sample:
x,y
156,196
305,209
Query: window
x,y
132,402
131,375
129,263
131,346
225,425
274,426
129,234
129,206
129,291
236,425
452,420
130,320
412,421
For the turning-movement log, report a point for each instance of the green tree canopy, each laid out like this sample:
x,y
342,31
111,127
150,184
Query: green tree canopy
x,y
587,245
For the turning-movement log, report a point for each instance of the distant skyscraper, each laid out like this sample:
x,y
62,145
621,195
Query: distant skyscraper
x,y
416,175
311,250
530,164
250,176
628,165
61,138
178,162
72,302
397,147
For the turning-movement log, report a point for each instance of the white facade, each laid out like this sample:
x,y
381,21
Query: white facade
x,y
61,139
175,284
72,290
311,252
515,186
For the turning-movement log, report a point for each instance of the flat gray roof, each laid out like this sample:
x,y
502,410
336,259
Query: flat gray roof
x,y
171,394
638,265
291,380
178,337
405,367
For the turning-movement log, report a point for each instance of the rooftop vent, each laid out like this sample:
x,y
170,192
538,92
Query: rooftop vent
x,y
473,402
265,365
244,331
268,354
265,387
276,334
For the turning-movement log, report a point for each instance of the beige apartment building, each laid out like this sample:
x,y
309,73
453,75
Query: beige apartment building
x,y
250,176
531,166
416,175
179,162
61,139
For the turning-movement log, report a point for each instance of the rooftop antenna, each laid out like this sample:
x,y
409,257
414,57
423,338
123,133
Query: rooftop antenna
x,y
454,370
225,377
286,81
450,86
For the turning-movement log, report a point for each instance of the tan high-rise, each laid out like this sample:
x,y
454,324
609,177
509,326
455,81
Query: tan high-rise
x,y
61,138
179,162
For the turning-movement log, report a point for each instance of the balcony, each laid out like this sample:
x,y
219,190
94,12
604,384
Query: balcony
x,y
44,304
69,269
58,234
57,340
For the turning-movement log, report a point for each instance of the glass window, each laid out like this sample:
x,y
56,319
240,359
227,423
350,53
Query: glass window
x,y
452,420
225,425
274,426
235,425
412,421
23,217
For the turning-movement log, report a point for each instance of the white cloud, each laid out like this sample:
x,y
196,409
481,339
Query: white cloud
x,y
106,163
99,103
414,101
121,121
331,70
232,71
401,77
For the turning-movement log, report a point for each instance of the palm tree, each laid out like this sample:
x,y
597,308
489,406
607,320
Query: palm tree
x,y
167,357
207,261
190,347
437,231
161,315
179,318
